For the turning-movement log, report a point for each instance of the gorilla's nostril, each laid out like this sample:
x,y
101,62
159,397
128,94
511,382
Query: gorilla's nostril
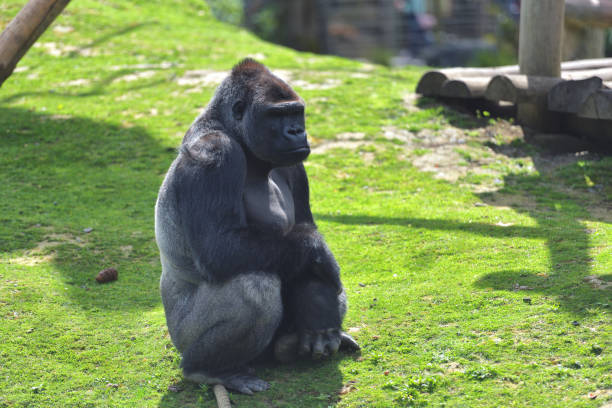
x,y
295,131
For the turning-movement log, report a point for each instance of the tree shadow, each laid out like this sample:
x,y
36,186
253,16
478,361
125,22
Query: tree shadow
x,y
64,175
560,207
470,114
106,37
558,223
97,87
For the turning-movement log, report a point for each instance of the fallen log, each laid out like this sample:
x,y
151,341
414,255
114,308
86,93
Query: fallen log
x,y
19,35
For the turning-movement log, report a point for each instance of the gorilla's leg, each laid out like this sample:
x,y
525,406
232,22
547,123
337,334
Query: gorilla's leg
x,y
220,328
314,314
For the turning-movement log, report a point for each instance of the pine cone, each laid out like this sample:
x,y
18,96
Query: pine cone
x,y
107,275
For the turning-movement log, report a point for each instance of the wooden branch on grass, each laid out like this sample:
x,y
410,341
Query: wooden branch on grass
x,y
24,30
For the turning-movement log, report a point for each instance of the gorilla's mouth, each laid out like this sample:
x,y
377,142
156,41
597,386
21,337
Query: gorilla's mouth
x,y
300,149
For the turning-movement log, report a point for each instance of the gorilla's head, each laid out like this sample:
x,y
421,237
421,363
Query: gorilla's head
x,y
264,114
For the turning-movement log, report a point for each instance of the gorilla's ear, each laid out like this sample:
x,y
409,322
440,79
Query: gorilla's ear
x,y
238,110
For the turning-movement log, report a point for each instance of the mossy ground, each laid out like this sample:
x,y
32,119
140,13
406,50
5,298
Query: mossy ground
x,y
463,293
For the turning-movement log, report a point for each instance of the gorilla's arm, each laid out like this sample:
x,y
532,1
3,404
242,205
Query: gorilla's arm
x,y
208,182
325,265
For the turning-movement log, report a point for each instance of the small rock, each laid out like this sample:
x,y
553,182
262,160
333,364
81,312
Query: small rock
x,y
480,205
107,275
597,350
88,230
111,385
174,388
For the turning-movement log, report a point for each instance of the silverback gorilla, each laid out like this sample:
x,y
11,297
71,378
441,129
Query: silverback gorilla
x,y
245,274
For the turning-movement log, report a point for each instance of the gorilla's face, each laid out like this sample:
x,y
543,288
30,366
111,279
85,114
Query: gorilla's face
x,y
273,123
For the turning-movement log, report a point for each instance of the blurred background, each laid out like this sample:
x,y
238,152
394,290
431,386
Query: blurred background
x,y
416,32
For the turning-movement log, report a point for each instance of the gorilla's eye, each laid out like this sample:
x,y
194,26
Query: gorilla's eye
x,y
238,110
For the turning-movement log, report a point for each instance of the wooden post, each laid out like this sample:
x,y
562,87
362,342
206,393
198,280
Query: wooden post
x,y
540,37
540,45
24,30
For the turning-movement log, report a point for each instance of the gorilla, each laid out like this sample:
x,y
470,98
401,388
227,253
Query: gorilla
x,y
245,273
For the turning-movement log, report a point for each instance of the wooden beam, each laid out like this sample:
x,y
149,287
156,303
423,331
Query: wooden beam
x,y
469,87
519,88
24,30
589,13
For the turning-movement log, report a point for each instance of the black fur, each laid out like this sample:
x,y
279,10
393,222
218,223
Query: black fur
x,y
242,260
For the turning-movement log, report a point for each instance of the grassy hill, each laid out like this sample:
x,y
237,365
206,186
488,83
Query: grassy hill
x,y
478,268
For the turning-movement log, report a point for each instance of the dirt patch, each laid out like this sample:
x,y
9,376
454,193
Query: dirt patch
x,y
597,283
135,76
43,251
61,50
201,78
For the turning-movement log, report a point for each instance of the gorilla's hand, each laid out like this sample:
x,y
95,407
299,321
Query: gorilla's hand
x,y
326,268
323,343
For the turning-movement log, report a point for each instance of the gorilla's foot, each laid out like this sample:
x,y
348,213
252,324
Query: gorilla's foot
x,y
237,381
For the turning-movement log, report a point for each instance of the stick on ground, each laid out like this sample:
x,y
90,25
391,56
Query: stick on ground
x,y
222,396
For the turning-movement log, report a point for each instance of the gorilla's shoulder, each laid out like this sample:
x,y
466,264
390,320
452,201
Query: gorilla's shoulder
x,y
211,149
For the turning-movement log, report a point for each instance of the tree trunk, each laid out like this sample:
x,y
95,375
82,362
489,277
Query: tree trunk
x,y
24,30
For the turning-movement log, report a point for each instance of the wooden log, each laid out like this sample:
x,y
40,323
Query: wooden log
x,y
431,82
589,13
540,37
584,64
19,35
469,87
519,88
597,106
570,96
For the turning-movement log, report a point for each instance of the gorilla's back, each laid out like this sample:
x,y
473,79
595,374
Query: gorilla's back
x,y
175,254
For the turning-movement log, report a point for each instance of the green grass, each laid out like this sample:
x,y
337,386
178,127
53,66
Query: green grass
x,y
459,299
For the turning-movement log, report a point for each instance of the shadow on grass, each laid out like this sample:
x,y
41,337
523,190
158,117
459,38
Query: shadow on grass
x,y
61,176
558,218
460,114
97,87
106,37
301,384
